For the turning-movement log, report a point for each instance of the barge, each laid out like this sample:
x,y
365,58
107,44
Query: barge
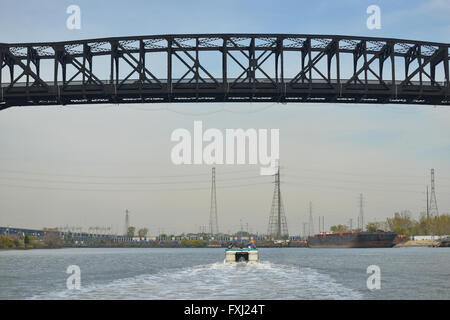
x,y
378,239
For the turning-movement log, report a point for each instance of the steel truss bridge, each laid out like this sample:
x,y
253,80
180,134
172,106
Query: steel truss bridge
x,y
225,68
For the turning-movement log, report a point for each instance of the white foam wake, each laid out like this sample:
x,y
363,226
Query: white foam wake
x,y
262,280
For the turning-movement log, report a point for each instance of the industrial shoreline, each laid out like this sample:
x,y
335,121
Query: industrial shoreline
x,y
405,244
24,239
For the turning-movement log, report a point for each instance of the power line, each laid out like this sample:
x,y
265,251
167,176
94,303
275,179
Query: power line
x,y
125,183
356,174
365,181
119,177
130,190
347,188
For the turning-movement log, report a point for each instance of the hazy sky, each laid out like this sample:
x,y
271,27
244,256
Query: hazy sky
x,y
83,166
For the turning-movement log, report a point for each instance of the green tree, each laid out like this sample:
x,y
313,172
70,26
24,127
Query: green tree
x,y
423,226
440,225
131,231
373,226
28,241
17,243
4,242
339,228
401,223
68,239
52,239
142,232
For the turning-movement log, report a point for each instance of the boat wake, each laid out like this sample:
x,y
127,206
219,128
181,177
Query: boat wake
x,y
251,280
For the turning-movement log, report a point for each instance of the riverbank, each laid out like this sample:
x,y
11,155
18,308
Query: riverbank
x,y
186,245
418,243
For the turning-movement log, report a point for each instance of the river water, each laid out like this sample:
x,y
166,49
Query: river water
x,y
286,273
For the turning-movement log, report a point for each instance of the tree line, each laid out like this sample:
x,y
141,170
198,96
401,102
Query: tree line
x,y
403,223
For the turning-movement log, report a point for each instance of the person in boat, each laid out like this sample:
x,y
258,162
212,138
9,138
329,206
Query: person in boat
x,y
251,244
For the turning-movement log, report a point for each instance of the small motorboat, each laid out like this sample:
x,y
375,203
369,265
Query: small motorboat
x,y
241,255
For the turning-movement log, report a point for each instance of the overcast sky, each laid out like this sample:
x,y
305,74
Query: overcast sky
x,y
83,166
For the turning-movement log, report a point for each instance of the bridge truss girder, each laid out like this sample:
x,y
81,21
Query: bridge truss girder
x,y
245,68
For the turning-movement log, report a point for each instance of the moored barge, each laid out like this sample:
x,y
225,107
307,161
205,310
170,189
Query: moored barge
x,y
378,239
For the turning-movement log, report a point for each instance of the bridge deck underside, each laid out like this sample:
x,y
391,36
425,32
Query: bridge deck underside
x,y
142,93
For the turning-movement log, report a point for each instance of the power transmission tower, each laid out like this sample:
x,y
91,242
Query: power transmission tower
x,y
213,221
311,221
277,220
361,212
127,222
433,211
